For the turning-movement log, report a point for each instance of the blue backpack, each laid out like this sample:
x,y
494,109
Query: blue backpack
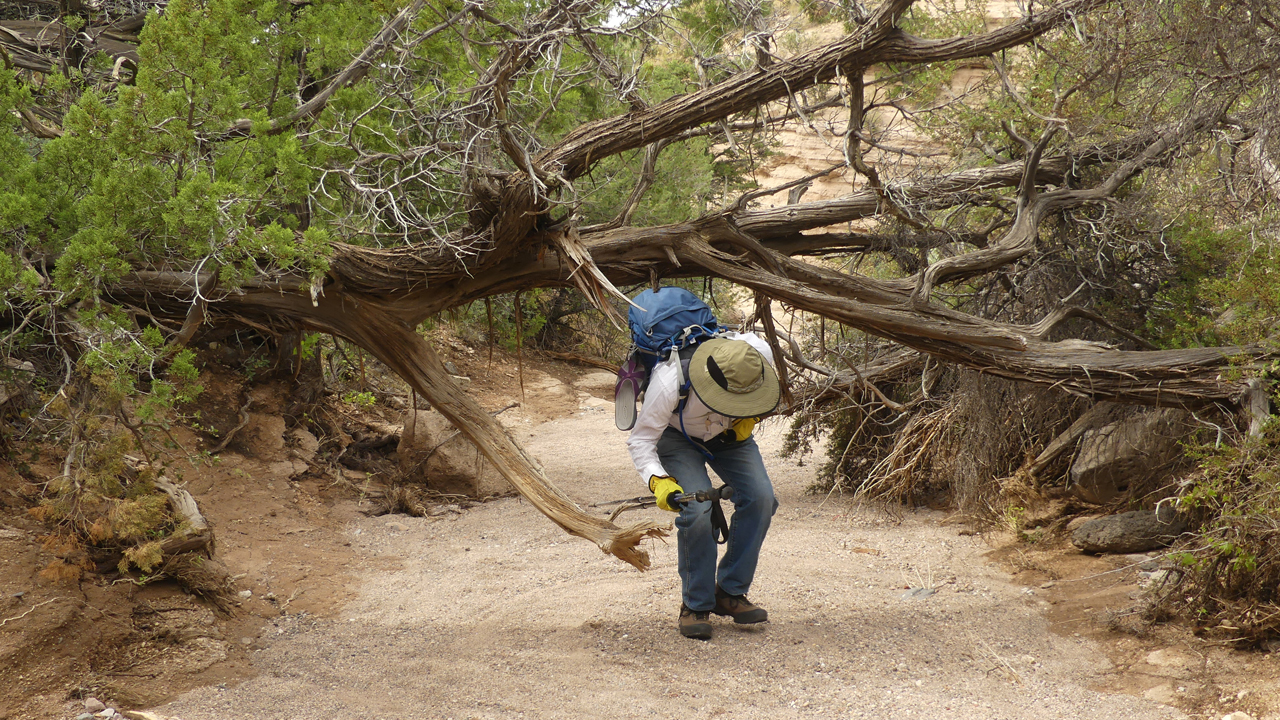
x,y
667,319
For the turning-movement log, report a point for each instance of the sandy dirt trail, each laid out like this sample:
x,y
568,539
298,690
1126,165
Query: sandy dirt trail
x,y
495,613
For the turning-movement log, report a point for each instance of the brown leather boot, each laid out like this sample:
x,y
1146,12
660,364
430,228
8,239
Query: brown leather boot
x,y
694,624
739,608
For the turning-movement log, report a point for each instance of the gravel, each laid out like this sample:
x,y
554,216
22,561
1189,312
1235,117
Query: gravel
x,y
496,613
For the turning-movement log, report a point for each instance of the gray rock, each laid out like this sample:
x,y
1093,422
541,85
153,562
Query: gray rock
x,y
85,716
1130,532
93,705
1122,454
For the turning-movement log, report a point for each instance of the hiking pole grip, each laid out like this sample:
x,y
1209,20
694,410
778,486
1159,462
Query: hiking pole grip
x,y
724,492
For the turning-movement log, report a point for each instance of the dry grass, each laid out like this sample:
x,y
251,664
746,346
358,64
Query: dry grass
x,y
900,473
966,443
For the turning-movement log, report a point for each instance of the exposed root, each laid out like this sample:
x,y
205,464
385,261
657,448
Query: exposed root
x,y
200,576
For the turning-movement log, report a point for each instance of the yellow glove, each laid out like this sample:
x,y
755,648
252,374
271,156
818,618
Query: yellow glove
x,y
662,487
743,427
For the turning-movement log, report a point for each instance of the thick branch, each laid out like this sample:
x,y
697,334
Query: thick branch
x,y
1020,239
412,358
876,41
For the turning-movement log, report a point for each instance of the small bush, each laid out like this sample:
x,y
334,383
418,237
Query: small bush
x,y
1230,568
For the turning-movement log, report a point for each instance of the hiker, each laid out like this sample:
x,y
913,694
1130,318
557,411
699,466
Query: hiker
x,y
732,384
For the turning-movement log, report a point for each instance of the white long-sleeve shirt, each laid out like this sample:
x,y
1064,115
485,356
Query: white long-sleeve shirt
x,y
659,410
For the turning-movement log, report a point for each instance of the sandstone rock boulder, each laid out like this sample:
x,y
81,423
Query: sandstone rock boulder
x,y
262,437
1130,532
434,452
597,383
1122,454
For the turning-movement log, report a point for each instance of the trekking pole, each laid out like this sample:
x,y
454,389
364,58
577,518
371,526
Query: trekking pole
x,y
724,492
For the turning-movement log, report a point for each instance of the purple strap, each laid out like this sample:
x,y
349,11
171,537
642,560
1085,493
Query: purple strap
x,y
630,371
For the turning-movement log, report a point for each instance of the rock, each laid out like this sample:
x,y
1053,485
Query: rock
x,y
599,383
1135,531
1136,559
286,469
93,705
1158,578
245,594
1238,715
1172,661
592,403
1122,454
305,445
262,437
917,593
432,450
85,716
1078,521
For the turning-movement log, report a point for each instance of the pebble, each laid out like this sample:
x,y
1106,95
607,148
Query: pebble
x,y
84,716
1238,715
245,594
94,705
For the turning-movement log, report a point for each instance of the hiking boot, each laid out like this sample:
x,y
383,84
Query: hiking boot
x,y
694,624
739,608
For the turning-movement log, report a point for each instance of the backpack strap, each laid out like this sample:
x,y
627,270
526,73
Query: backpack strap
x,y
685,385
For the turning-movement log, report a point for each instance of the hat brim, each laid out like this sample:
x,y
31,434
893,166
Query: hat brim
x,y
761,401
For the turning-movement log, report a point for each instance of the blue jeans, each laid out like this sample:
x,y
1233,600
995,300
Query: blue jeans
x,y
739,465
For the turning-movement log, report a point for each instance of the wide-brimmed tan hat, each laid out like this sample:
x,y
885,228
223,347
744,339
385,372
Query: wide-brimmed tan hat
x,y
733,379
